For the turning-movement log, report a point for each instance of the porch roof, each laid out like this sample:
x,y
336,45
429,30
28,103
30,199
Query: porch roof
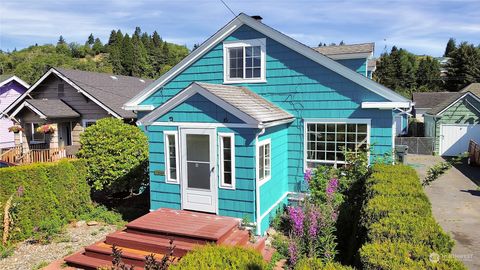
x,y
238,100
48,108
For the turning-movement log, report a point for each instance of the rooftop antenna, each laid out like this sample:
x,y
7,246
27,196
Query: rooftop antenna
x,y
225,4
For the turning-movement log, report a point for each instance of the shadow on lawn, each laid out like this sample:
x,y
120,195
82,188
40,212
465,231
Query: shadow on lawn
x,y
130,208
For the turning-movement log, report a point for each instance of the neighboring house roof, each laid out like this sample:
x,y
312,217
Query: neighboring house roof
x,y
6,78
349,51
236,23
474,88
428,100
372,65
238,100
107,90
440,108
53,108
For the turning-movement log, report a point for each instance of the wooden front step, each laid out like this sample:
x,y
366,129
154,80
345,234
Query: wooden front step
x,y
186,224
81,261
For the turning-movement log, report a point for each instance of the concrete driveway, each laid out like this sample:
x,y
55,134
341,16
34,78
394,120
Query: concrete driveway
x,y
455,199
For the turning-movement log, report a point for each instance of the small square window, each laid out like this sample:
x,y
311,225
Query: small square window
x,y
244,61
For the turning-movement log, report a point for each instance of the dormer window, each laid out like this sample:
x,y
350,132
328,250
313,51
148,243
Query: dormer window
x,y
244,61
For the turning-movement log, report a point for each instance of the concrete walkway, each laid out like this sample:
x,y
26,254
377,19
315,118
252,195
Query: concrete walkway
x,y
455,199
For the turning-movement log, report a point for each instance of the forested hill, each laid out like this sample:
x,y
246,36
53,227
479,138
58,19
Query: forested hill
x,y
139,54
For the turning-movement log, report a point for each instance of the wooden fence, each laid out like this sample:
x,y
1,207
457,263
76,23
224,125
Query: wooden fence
x,y
473,153
11,154
15,155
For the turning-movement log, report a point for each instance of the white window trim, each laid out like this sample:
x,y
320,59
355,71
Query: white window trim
x,y
245,43
168,177
232,152
32,141
259,144
332,121
85,121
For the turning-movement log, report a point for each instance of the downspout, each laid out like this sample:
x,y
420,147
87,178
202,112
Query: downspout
x,y
257,186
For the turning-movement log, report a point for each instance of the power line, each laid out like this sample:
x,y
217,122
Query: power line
x,y
225,4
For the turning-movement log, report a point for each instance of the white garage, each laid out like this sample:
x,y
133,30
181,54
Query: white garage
x,y
454,138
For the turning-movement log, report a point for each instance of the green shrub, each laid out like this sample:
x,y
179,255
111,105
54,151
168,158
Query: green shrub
x,y
221,257
411,228
116,155
6,251
317,264
102,214
46,196
401,255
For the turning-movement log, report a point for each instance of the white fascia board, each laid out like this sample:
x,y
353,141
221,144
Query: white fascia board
x,y
279,37
386,105
191,90
139,108
28,105
17,79
456,100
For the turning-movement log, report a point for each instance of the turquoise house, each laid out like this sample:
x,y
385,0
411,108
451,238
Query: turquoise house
x,y
233,127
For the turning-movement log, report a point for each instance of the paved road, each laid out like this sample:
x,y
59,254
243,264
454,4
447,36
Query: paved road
x,y
456,205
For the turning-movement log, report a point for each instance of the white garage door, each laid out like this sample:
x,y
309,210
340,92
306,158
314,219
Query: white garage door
x,y
454,138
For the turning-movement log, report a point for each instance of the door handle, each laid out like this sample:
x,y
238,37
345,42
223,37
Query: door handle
x,y
212,170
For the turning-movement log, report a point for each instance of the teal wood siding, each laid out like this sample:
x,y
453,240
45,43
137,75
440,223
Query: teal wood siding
x,y
241,201
358,65
197,108
298,85
460,113
161,193
275,188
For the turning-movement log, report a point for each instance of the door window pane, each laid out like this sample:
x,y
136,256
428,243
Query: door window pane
x,y
198,175
198,147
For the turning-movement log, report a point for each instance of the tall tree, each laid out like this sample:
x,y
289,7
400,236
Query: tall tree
x,y
97,46
91,39
127,55
451,46
113,37
464,67
61,40
428,75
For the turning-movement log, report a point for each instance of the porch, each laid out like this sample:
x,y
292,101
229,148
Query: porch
x,y
153,232
17,155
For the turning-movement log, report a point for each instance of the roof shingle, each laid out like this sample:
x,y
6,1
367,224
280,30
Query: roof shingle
x,y
428,100
346,49
53,108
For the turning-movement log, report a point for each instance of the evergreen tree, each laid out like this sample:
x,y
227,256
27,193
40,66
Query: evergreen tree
x,y
165,54
61,40
113,37
140,65
156,40
90,40
97,46
428,75
341,43
451,46
137,32
127,55
464,67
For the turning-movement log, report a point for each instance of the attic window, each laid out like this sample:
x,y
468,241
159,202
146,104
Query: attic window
x,y
60,90
244,61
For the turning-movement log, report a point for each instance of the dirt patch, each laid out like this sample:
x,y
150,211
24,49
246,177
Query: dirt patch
x,y
32,256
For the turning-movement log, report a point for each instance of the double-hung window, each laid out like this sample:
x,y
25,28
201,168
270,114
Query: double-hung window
x,y
32,134
327,142
171,157
244,61
264,167
227,160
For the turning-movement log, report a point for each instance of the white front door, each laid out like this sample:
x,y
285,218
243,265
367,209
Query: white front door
x,y
454,139
198,174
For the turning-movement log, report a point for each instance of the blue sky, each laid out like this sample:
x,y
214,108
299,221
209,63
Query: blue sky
x,y
422,27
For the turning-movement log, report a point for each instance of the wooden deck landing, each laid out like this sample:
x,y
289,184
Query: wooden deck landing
x,y
151,234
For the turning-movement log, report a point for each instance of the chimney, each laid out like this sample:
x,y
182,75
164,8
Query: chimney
x,y
257,18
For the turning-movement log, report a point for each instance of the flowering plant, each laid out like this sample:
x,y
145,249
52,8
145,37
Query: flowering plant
x,y
46,129
15,128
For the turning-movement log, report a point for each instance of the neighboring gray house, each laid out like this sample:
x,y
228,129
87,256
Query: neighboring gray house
x,y
69,101
425,101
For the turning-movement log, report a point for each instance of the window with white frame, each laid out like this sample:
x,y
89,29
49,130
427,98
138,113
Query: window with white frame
x,y
244,61
327,142
264,168
89,122
171,156
227,160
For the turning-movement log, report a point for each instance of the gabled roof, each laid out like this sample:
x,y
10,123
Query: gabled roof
x,y
108,91
249,107
240,20
44,108
474,88
428,100
351,51
443,106
6,78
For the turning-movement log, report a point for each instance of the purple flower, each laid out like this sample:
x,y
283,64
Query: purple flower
x,y
296,216
332,186
313,216
293,252
307,176
20,191
334,215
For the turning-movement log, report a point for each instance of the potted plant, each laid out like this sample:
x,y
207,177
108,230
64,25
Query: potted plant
x,y
46,129
15,129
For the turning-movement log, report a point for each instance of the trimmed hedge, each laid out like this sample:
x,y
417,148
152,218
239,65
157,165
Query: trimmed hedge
x,y
45,197
221,257
401,232
317,264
